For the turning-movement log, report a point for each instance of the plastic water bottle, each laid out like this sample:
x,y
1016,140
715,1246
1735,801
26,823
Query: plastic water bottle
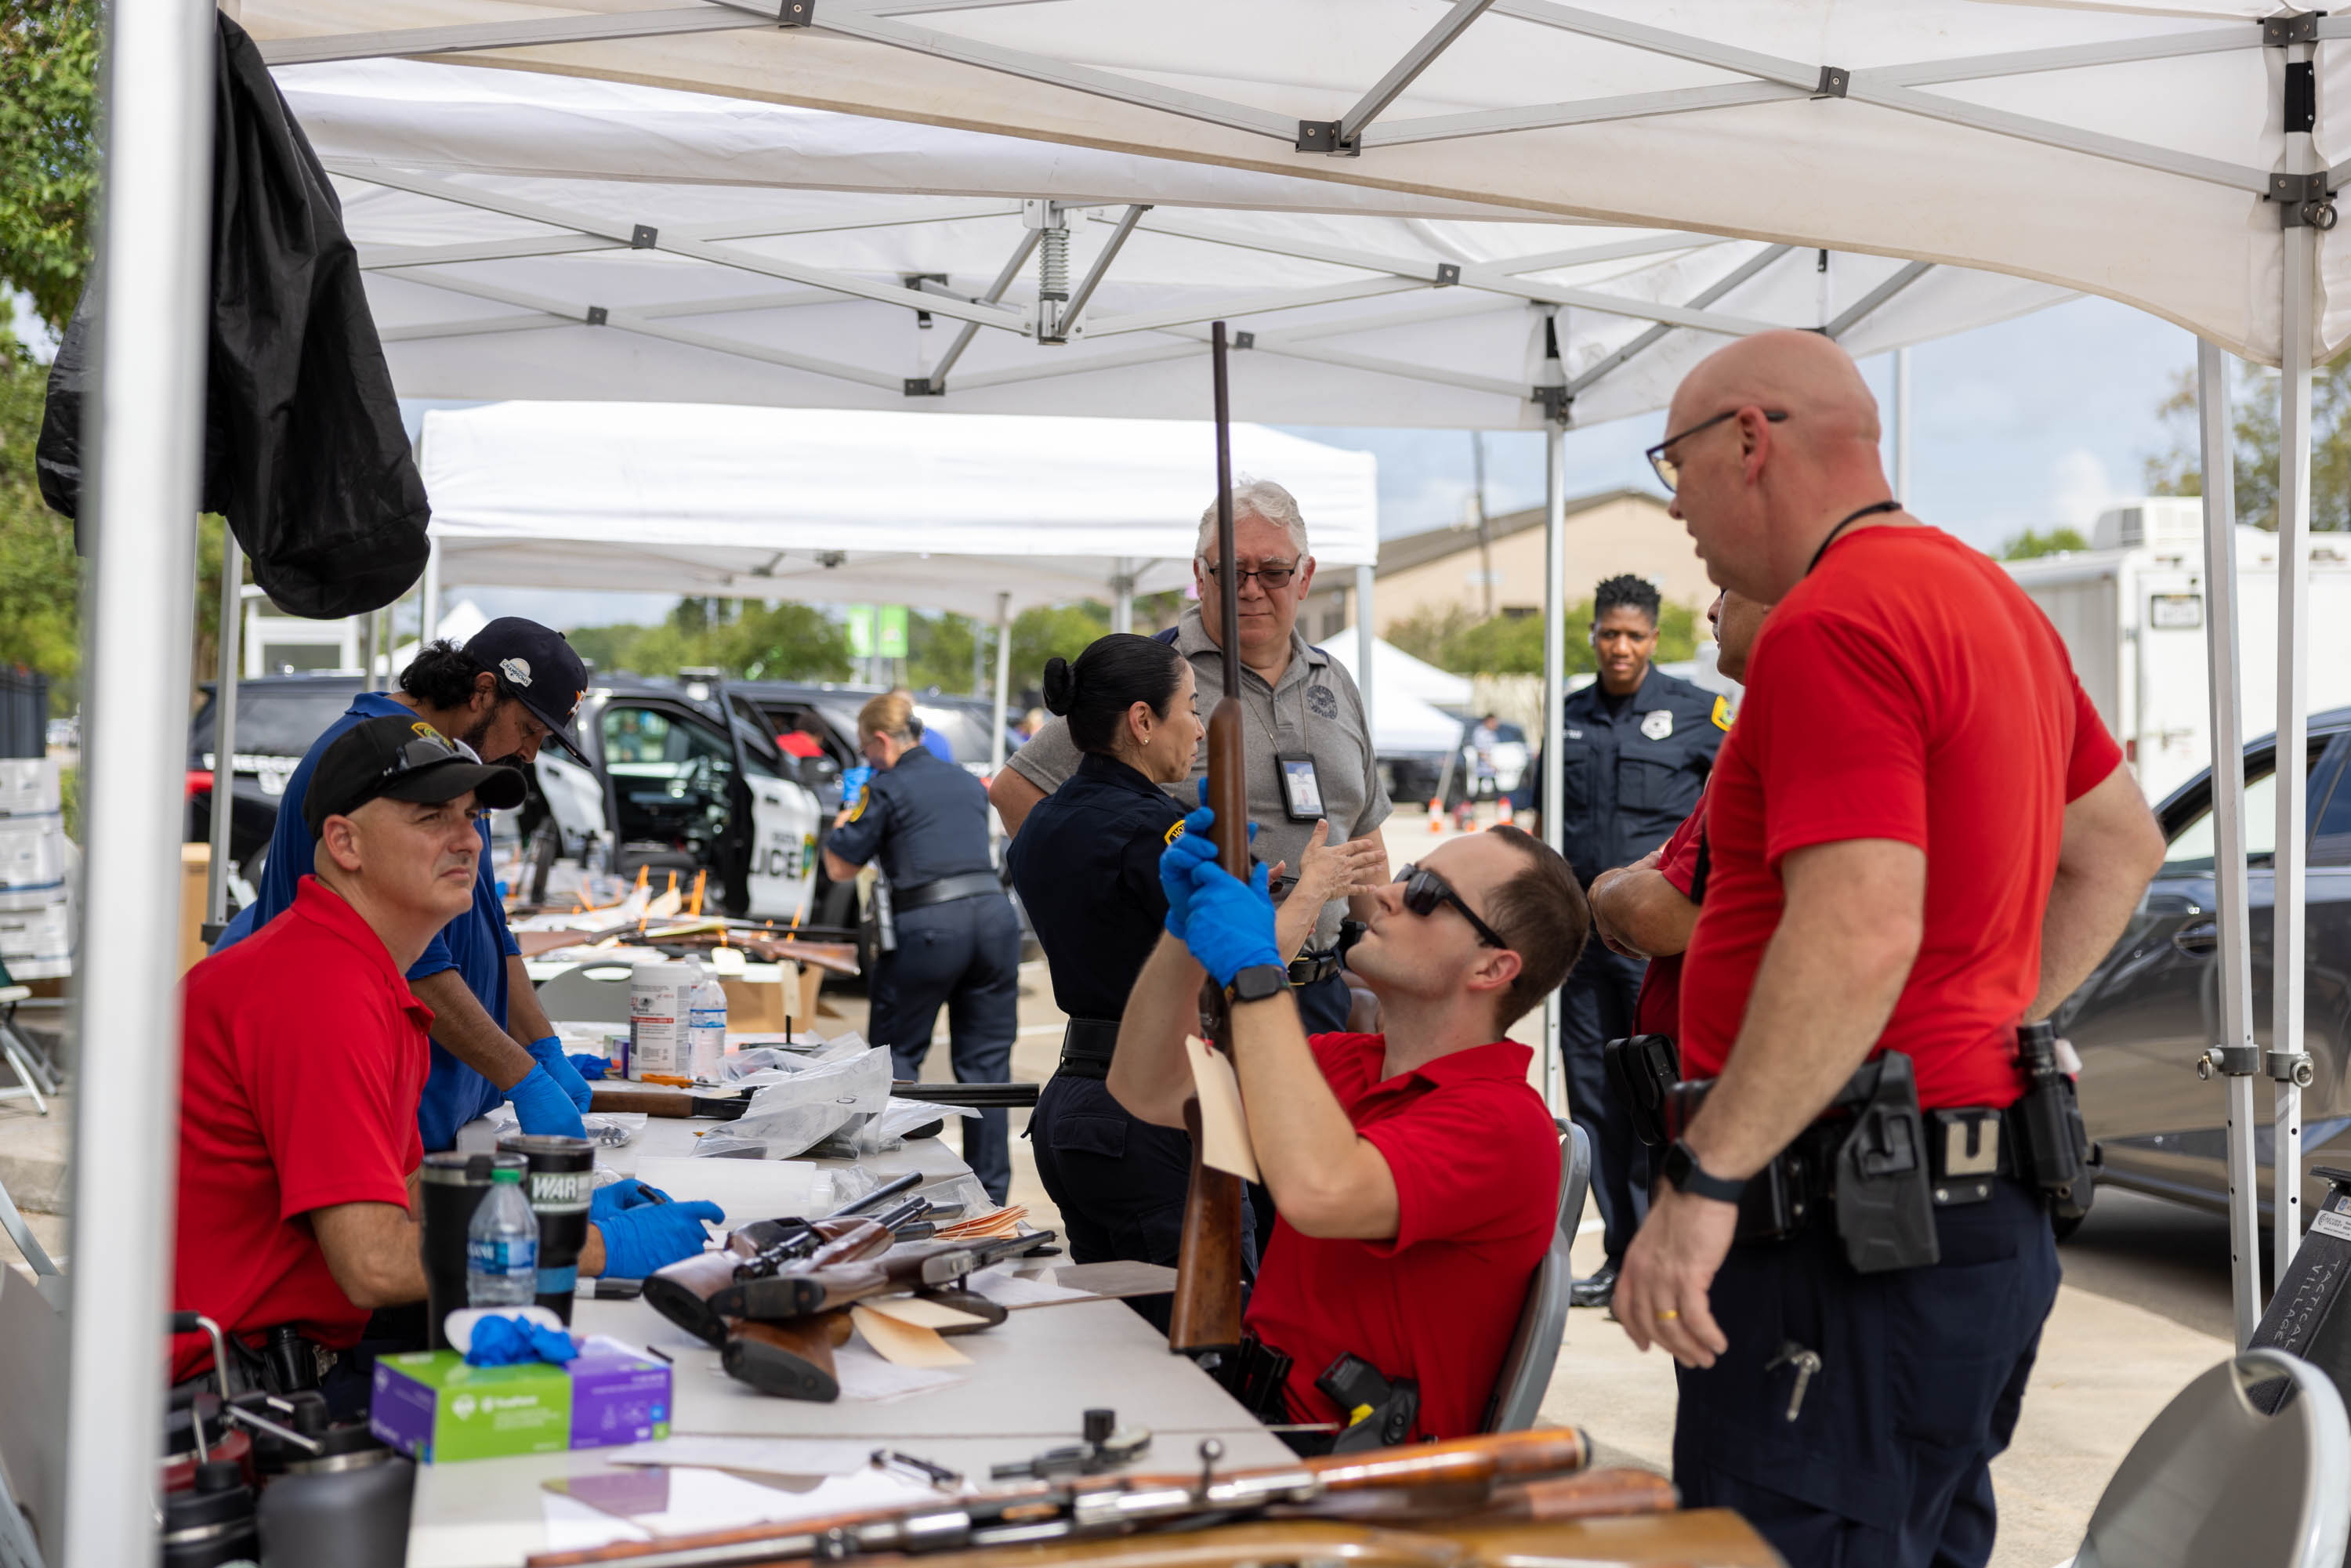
x,y
706,1026
501,1246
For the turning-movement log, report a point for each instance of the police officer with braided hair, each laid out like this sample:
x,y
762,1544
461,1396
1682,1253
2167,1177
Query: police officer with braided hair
x,y
1635,750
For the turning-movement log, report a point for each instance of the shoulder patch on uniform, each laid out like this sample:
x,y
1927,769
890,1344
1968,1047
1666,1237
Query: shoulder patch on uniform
x,y
864,793
1723,711
1176,832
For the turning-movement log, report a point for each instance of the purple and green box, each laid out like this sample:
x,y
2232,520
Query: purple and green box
x,y
432,1407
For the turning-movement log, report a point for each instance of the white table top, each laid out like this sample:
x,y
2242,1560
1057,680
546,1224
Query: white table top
x,y
1030,1380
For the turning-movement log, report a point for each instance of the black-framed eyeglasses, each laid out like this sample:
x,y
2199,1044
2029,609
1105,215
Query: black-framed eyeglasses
x,y
1425,889
1269,578
1668,472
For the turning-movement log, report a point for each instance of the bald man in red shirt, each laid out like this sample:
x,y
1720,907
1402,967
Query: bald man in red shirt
x,y
1919,836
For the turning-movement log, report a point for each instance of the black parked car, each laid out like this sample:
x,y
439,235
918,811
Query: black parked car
x,y
2152,1006
277,717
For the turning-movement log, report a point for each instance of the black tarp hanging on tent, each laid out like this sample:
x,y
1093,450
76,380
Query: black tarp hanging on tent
x,y
303,453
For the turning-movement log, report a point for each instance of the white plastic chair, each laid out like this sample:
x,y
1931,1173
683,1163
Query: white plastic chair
x,y
594,992
2250,1466
1534,1345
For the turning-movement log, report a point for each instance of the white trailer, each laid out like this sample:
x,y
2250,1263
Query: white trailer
x,y
2131,610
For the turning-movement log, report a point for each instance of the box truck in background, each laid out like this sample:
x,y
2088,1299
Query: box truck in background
x,y
2131,609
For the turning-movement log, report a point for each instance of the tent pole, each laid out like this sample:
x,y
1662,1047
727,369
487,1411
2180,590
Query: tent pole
x,y
144,427
223,807
1902,423
428,606
1122,589
1366,640
1554,698
1003,694
2235,1022
2289,977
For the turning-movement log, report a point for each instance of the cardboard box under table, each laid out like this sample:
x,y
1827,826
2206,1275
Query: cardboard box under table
x,y
434,1408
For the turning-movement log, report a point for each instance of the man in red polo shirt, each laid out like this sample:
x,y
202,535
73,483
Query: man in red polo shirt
x,y
305,1055
1919,836
1415,1173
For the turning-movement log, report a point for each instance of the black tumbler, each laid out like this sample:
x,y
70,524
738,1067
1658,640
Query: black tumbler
x,y
562,1179
453,1186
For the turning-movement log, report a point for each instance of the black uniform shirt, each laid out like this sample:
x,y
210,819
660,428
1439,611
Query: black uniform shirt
x,y
926,818
1628,777
1086,865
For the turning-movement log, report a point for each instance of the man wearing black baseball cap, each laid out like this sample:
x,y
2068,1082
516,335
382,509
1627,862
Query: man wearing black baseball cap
x,y
305,1056
513,687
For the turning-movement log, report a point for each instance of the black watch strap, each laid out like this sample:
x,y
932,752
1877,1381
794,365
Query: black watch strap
x,y
1258,982
1687,1176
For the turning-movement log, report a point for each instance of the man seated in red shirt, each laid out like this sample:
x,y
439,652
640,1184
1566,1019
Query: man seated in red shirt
x,y
305,1055
1415,1173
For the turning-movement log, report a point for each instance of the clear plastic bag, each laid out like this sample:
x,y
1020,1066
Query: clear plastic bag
x,y
763,1065
886,1129
606,1129
802,1109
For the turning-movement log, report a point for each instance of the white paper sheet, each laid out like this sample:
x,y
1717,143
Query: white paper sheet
x,y
746,1189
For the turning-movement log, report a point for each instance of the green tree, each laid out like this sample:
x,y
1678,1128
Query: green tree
x,y
48,160
783,641
2033,543
2179,470
1454,639
40,576
1051,630
939,650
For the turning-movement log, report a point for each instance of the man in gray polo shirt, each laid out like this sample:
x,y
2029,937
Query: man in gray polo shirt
x,y
1309,744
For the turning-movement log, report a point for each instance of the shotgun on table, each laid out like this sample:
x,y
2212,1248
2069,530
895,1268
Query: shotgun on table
x,y
1205,1312
1514,1476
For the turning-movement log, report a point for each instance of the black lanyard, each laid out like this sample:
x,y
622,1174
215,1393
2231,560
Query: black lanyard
x,y
1851,518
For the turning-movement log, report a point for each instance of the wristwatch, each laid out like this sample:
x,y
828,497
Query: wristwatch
x,y
1258,982
1686,1175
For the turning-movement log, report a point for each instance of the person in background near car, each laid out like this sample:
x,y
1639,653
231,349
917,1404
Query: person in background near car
x,y
803,739
502,696
1635,750
1087,863
1647,909
1309,745
948,935
1920,836
306,1052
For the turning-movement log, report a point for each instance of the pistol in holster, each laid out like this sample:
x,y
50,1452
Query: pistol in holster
x,y
1866,1157
2053,1147
1642,1071
1379,1410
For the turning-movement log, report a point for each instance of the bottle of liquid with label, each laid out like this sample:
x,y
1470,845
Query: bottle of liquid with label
x,y
705,1030
502,1245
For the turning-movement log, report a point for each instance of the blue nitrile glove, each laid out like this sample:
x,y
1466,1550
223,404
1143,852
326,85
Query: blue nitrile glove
x,y
1183,852
644,1241
853,780
588,1064
542,1106
547,1052
1228,925
621,1196
509,1341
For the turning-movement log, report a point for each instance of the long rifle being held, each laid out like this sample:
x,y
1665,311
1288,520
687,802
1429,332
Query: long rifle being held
x,y
1516,1474
1205,1317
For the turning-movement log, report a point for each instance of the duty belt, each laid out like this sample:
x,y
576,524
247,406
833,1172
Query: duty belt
x,y
1086,1046
1312,966
946,889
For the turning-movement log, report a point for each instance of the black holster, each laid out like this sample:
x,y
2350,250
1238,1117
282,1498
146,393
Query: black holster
x,y
1642,1071
2053,1154
1379,1411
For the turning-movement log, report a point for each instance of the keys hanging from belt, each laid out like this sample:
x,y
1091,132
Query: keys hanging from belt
x,y
1805,1361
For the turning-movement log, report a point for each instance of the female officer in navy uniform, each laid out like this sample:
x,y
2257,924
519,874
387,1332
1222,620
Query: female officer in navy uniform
x,y
948,933
1086,863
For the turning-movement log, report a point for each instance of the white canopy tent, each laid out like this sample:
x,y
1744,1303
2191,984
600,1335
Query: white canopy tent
x,y
971,513
2099,148
1402,695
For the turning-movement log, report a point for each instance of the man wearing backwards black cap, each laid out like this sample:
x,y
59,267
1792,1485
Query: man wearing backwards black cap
x,y
515,685
305,1055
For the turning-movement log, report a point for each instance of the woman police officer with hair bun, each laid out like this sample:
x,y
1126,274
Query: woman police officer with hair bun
x,y
950,935
1086,863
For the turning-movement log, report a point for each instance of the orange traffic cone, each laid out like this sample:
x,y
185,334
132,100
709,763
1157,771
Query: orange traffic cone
x,y
1436,814
1502,815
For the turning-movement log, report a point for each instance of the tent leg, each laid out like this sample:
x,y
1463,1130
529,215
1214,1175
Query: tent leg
x,y
1902,423
2235,1022
1122,600
1003,694
223,809
1554,698
1366,640
144,427
366,650
428,605
2289,948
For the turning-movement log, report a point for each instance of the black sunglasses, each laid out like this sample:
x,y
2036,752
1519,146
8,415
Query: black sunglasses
x,y
1425,889
1668,472
425,751
1268,577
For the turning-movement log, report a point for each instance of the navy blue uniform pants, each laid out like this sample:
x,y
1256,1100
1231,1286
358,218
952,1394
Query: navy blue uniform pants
x,y
965,955
1120,1182
1596,1006
1922,1373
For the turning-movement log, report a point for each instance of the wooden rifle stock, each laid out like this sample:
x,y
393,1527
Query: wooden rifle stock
x,y
1205,1317
791,1360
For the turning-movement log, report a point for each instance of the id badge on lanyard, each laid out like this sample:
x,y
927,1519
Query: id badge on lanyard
x,y
1301,792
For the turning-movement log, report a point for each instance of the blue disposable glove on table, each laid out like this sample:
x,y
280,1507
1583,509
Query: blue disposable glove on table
x,y
589,1066
643,1241
544,1108
621,1196
1189,849
1228,924
548,1053
509,1341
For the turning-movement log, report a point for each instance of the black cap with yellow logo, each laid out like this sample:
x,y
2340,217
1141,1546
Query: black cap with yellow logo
x,y
398,758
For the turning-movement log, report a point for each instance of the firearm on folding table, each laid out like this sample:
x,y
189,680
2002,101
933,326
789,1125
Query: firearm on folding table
x,y
1509,1476
683,1292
